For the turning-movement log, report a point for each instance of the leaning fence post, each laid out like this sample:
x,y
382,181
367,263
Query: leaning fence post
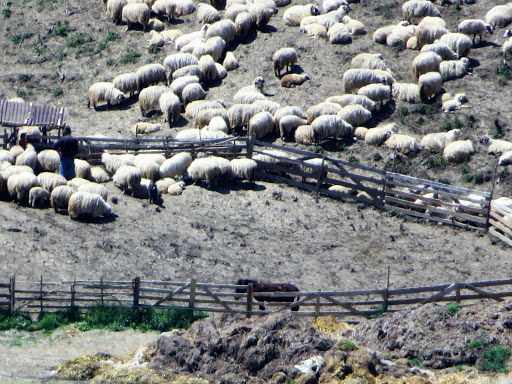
x,y
385,295
12,302
101,291
73,294
250,145
250,288
192,298
136,292
490,197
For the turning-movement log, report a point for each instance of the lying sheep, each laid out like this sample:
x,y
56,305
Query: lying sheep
x,y
381,34
455,103
458,43
104,92
496,146
19,185
474,27
458,151
314,31
400,35
283,58
402,143
418,8
156,40
349,99
360,133
86,204
207,14
429,85
447,96
127,177
454,69
355,114
137,13
425,62
261,124
339,34
499,16
59,198
505,158
292,80
149,98
288,124
332,5
330,126
368,61
38,197
377,136
507,45
304,135
293,15
210,169
353,79
156,25
354,26
436,142
243,169
176,166
410,93
144,128
441,49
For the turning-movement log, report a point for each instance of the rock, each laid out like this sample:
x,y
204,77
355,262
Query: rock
x,y
278,378
306,379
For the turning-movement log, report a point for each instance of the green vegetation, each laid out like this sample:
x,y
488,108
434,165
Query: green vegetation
x,y
477,343
495,358
16,38
504,72
452,308
476,178
111,36
341,145
57,91
420,120
444,181
79,39
402,114
379,312
130,57
21,93
456,8
153,49
415,362
61,55
60,29
348,345
354,160
449,124
377,157
319,149
6,13
470,120
289,380
498,132
436,162
424,109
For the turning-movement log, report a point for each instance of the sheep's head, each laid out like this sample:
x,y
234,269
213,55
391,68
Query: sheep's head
x,y
119,99
384,80
259,82
485,140
314,11
489,29
461,97
465,61
508,33
456,133
306,77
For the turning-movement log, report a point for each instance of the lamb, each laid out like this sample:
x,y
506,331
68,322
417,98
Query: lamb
x,y
403,143
288,110
293,15
215,47
381,34
86,204
127,177
239,115
458,43
441,49
499,16
425,62
94,188
179,60
208,68
418,8
283,58
429,30
19,185
207,14
234,10
180,83
507,45
230,62
377,136
224,28
150,74
48,160
458,151
156,40
454,69
355,114
314,31
204,117
354,26
211,169
399,35
115,9
176,166
28,157
138,13
288,124
261,124
149,98
59,198
349,99
243,24
330,126
217,123
98,175
82,169
243,169
323,108
193,92
164,8
38,197
104,92
474,27
436,142
113,162
353,79
292,80
144,128
360,133
410,93
163,185
304,135
339,34
170,35
376,92
368,61
412,43
261,12
429,85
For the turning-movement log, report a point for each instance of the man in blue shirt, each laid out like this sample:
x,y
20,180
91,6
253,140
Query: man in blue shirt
x,y
67,146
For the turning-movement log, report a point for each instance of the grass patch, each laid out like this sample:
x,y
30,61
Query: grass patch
x,y
354,160
60,29
504,72
470,120
16,38
79,39
21,93
477,343
348,345
111,36
498,132
415,362
452,308
424,109
444,181
402,114
377,157
154,50
381,311
495,358
57,91
6,13
449,124
130,58
61,55
436,162
385,9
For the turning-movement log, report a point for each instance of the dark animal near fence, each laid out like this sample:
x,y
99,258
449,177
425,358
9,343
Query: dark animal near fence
x,y
267,290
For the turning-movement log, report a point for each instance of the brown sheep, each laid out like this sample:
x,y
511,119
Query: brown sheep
x,y
291,80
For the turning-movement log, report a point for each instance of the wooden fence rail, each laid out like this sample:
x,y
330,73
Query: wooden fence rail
x,y
39,297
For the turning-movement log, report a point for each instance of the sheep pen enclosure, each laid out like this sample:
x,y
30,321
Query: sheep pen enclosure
x,y
54,50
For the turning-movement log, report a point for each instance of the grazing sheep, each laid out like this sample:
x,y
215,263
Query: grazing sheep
x,y
458,151
355,114
499,16
144,128
360,133
149,157
148,168
179,60
497,146
115,9
104,92
261,124
399,35
377,136
221,71
243,169
208,68
149,98
86,204
304,135
293,15
410,93
59,198
204,117
243,24
196,47
261,12
454,69
330,126
217,123
215,47
48,160
164,8
98,175
239,115
234,10
156,40
368,61
429,30
224,28
376,92
95,188
441,49
207,14
82,169
283,58
425,62
429,85
175,166
288,124
354,26
126,83
192,109
418,8
230,62
339,34
288,110
475,27
189,70
353,79
180,83
323,108
38,197
292,80
458,43
210,169
7,156
19,185
349,99
50,181
403,143
138,13
127,177
193,92
156,25
113,162
15,170
436,142
267,105
28,157
245,97
507,45
150,74
199,135
185,7
77,182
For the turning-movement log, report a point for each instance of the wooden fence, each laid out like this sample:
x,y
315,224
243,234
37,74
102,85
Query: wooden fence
x,y
42,296
15,114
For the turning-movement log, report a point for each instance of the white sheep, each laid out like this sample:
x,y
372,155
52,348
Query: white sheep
x,y
137,13
150,74
127,177
208,68
243,24
412,43
77,182
497,146
339,34
94,188
28,157
288,110
205,116
149,98
19,185
243,169
458,43
215,47
505,158
189,70
38,197
262,11
113,162
261,124
234,10
349,99
210,169
454,69
377,136
425,62
247,97
283,58
192,109
399,35
179,60
175,166
164,8
193,92
429,85
368,61
429,30
156,39
408,92
184,39
507,45
360,133
163,185
115,9
376,92
450,96
59,198
436,142
221,71
15,170
355,114
441,49
48,160
199,135
99,175
82,169
180,83
474,27
224,28
104,92
499,16
330,126
126,83
354,26
353,79
288,124
323,108
207,14
239,115
7,156
418,8
267,105
314,31
381,34
403,143
332,5
230,62
304,135
217,123
156,25
86,204
145,128
148,169
458,151
293,15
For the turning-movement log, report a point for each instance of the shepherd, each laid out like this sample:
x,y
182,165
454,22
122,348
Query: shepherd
x,y
267,290
67,146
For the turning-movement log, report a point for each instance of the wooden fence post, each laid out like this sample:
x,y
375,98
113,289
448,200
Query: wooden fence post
x,y
101,291
317,305
192,298
320,176
385,295
12,291
250,288
41,295
136,292
73,294
490,197
250,145
6,138
457,294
